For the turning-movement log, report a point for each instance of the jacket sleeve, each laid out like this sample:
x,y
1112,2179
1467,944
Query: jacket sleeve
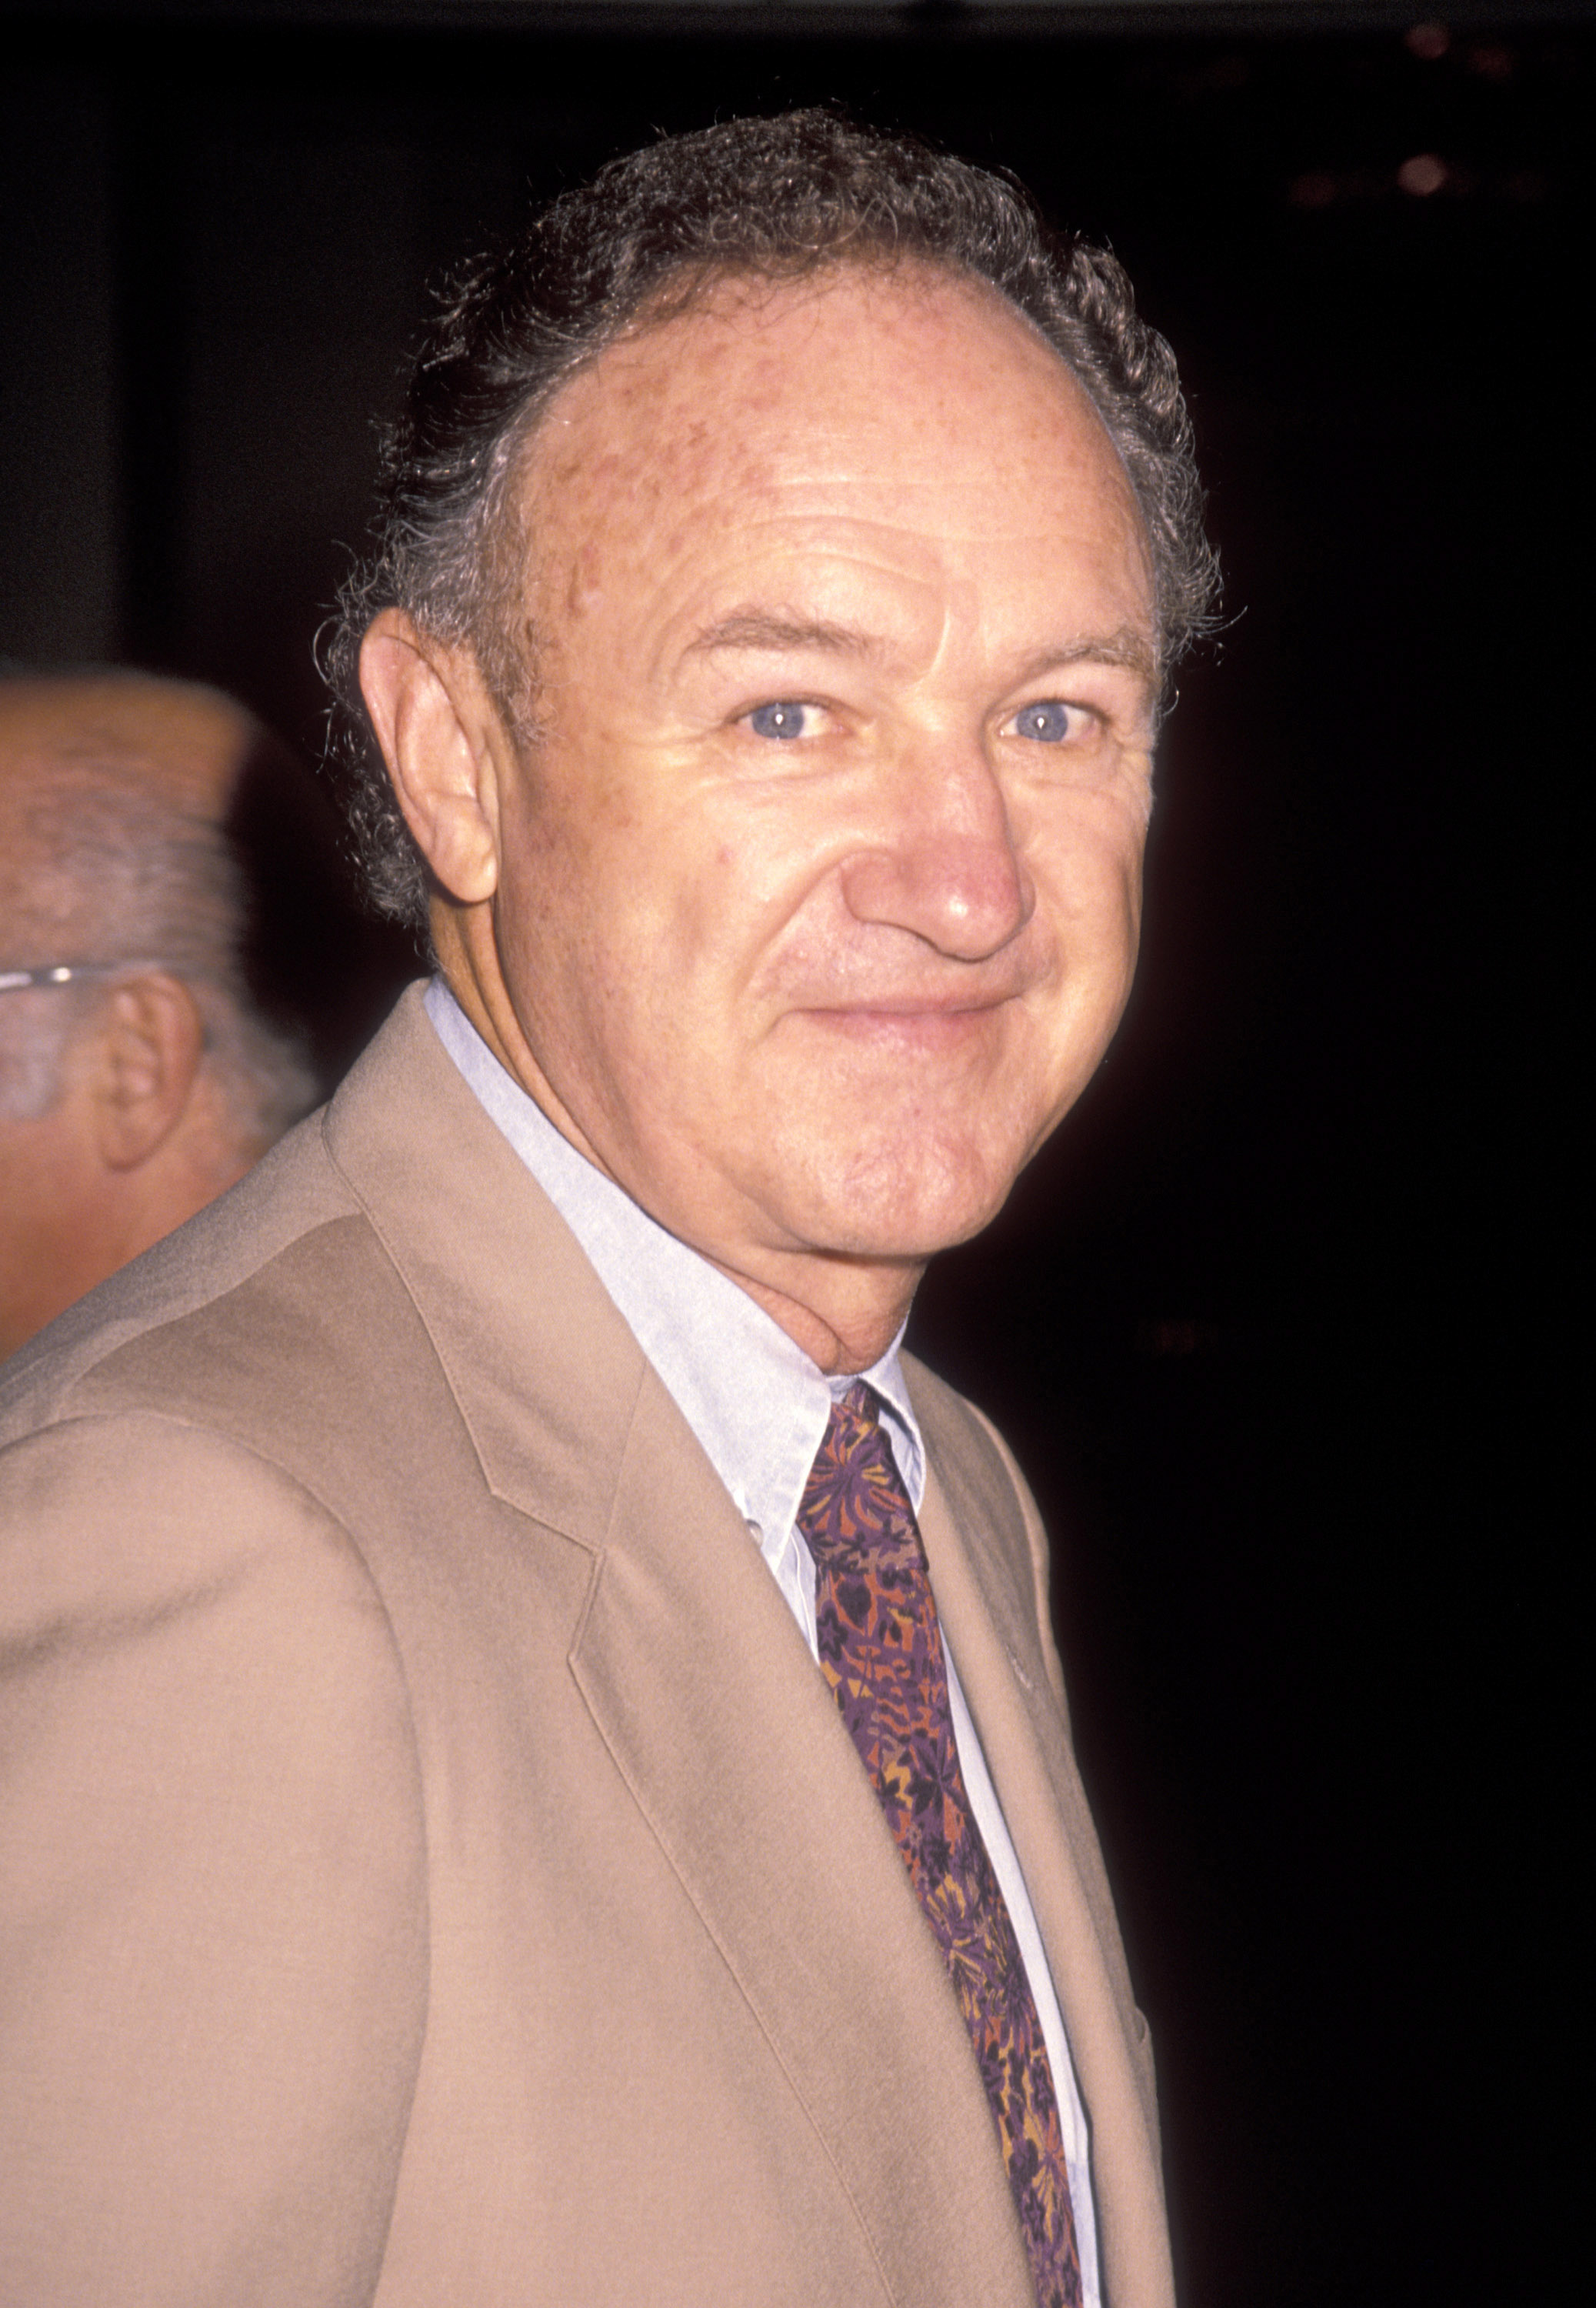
x,y
212,1887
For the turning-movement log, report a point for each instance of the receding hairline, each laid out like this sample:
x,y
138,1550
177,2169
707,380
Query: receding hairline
x,y
690,289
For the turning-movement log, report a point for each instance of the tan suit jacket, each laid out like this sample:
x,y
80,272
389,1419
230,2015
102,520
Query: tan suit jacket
x,y
435,1873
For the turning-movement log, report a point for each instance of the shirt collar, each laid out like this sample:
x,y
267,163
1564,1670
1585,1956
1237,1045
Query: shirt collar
x,y
756,1401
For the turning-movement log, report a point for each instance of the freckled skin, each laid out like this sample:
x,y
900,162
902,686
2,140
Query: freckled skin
x,y
815,1003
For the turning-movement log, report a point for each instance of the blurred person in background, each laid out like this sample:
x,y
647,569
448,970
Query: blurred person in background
x,y
181,974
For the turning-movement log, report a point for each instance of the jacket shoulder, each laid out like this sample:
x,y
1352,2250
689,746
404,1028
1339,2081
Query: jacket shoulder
x,y
294,1192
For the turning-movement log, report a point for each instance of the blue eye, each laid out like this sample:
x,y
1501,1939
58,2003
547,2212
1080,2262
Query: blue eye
x,y
1046,723
782,719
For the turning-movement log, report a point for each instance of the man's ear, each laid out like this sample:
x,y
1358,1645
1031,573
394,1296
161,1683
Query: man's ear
x,y
149,1040
437,733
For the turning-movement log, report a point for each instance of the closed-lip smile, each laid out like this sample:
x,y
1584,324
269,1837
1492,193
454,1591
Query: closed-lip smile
x,y
928,1020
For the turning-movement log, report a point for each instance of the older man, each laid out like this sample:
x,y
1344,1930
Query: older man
x,y
540,1765
176,968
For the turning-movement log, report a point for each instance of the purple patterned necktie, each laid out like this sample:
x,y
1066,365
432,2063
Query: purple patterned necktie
x,y
881,1652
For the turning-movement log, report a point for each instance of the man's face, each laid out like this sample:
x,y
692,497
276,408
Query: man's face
x,y
818,892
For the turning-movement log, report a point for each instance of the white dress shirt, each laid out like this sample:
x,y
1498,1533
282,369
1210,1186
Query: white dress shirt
x,y
758,1406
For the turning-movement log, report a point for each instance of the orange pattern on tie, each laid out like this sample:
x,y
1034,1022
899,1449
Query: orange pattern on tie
x,y
881,1651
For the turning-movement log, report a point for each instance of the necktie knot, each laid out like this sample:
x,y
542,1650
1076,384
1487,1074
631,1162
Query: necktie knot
x,y
854,1422
855,1506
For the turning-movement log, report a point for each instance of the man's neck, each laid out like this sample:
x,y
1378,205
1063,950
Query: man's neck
x,y
840,1338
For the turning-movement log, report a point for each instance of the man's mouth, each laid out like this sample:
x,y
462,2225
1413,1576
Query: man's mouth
x,y
923,1022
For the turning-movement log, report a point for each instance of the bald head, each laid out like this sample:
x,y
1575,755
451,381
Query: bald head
x,y
173,740
113,792
155,841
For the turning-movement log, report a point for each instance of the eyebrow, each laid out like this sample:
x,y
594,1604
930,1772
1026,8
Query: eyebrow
x,y
765,629
1127,647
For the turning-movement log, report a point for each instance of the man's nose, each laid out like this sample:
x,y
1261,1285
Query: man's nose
x,y
945,865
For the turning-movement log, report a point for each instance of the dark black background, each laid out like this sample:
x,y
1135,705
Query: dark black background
x,y
1272,1324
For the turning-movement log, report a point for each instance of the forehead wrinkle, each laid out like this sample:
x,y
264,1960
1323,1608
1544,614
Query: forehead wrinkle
x,y
895,601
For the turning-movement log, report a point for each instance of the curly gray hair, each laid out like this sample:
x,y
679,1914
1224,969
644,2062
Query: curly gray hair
x,y
767,199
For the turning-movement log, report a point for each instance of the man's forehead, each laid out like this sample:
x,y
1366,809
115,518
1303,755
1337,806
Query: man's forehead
x,y
810,398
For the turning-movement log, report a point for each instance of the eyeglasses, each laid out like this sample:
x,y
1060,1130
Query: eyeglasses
x,y
64,973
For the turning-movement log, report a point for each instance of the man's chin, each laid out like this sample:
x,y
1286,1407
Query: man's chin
x,y
900,1220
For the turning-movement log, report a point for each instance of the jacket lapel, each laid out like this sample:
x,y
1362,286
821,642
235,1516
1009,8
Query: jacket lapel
x,y
542,1369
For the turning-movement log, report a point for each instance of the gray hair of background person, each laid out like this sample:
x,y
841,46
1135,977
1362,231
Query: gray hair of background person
x,y
766,199
250,908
